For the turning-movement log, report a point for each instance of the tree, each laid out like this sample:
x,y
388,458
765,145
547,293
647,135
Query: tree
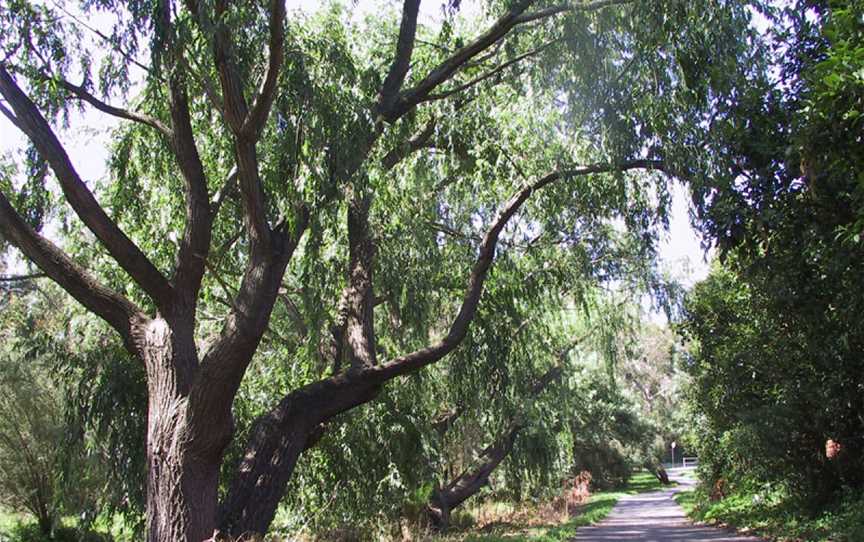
x,y
45,470
298,136
476,475
31,447
771,385
776,364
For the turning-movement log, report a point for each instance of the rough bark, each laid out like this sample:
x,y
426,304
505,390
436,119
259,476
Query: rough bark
x,y
277,440
184,451
360,299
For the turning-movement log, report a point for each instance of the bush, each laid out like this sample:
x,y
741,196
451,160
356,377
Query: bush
x,y
30,532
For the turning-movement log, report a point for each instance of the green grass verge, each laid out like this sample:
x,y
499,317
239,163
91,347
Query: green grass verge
x,y
777,516
644,481
687,500
597,508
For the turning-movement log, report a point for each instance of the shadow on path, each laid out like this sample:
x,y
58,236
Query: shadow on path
x,y
655,517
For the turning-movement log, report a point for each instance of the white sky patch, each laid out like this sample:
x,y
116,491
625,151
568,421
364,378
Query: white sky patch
x,y
680,249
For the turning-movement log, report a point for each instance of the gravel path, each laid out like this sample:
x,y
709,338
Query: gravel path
x,y
655,517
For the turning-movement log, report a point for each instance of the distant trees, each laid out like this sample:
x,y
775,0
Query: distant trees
x,y
45,470
33,447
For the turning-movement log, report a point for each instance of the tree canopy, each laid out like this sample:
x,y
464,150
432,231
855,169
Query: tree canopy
x,y
327,196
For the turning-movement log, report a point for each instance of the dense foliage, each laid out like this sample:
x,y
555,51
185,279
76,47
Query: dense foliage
x,y
53,460
776,328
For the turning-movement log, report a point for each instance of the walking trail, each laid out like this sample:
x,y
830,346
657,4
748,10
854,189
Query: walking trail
x,y
655,517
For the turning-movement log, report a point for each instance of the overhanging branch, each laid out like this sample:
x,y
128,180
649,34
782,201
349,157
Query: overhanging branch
x,y
491,73
31,122
459,327
517,15
114,111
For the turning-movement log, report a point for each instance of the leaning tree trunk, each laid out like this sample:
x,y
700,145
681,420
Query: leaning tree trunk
x,y
278,439
470,482
661,475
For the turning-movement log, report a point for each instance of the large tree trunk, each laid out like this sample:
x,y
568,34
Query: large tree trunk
x,y
181,492
184,449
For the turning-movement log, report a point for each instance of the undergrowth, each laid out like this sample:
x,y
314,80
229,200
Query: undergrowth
x,y
775,515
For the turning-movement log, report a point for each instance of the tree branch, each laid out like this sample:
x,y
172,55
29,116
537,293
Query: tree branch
x,y
489,74
402,61
254,201
564,8
417,142
197,231
23,278
107,39
30,121
360,299
470,481
227,358
257,117
411,97
224,192
236,112
445,70
459,327
118,112
115,309
236,108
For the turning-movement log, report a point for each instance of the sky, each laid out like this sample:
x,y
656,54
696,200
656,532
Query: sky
x,y
86,141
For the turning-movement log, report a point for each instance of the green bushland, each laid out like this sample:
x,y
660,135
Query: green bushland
x,y
774,332
777,515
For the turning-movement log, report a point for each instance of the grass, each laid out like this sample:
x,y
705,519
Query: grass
x,y
642,482
598,507
20,527
777,516
687,500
